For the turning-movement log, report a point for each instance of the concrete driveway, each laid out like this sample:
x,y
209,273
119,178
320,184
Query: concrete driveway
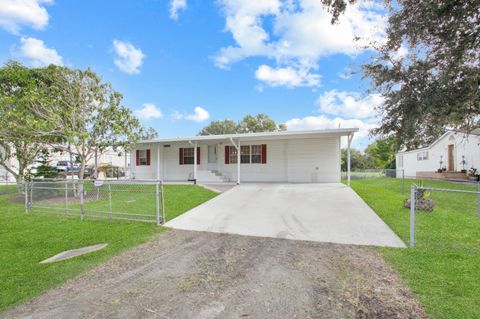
x,y
314,212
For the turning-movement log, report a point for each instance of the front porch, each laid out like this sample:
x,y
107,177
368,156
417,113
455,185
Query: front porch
x,y
298,157
447,176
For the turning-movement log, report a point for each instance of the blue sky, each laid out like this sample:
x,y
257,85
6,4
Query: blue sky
x,y
183,63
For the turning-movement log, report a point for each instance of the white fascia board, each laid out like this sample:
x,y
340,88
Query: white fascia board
x,y
257,136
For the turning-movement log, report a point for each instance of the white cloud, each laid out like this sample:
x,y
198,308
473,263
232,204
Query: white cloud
x,y
128,58
288,76
349,104
149,111
323,122
176,6
38,54
199,115
301,32
346,73
17,13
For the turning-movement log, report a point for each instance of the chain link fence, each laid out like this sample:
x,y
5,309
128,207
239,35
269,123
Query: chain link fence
x,y
133,200
393,179
450,208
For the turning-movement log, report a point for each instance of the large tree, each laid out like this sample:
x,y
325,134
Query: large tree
x,y
90,115
435,85
382,151
249,124
259,123
219,128
24,128
358,160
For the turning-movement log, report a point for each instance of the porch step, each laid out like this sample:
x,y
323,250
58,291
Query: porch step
x,y
210,176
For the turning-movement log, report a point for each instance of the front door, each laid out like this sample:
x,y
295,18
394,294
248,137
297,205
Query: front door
x,y
212,157
451,164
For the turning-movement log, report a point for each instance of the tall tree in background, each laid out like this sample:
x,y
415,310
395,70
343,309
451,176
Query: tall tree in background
x,y
219,128
249,124
148,133
435,83
259,123
24,128
358,160
382,151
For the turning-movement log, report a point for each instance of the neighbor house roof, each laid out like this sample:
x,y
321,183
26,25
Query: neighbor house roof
x,y
256,136
473,132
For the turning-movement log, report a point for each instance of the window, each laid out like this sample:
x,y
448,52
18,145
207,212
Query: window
x,y
188,156
422,156
400,161
143,157
245,154
233,155
256,154
249,154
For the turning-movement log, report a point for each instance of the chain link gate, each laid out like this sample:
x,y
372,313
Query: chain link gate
x,y
132,200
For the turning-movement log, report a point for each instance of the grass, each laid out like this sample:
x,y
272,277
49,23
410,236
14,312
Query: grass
x,y
26,239
443,270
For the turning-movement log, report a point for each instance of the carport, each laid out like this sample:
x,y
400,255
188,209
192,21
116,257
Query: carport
x,y
330,212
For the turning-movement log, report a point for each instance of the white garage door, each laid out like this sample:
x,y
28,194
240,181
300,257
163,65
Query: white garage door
x,y
315,160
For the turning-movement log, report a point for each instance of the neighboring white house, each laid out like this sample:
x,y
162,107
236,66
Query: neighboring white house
x,y
288,156
453,151
108,157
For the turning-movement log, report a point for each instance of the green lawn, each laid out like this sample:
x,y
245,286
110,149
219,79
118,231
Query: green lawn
x,y
443,270
26,239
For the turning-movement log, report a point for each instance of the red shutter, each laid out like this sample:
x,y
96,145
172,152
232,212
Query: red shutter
x,y
137,158
264,153
148,157
227,154
180,160
198,155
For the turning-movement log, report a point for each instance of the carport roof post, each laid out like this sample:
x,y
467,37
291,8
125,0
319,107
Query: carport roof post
x,y
349,142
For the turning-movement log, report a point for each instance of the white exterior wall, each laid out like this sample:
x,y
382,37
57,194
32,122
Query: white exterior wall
x,y
288,160
469,146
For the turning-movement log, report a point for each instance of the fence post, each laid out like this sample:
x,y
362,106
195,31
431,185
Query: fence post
x,y
66,194
478,204
403,181
412,215
82,212
157,204
163,204
110,199
26,197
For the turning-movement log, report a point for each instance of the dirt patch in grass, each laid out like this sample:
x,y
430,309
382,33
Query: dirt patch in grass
x,y
184,274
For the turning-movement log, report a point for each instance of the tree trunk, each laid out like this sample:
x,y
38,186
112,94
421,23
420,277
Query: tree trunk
x,y
81,173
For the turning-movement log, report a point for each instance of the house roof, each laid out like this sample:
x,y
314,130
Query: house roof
x,y
473,132
256,136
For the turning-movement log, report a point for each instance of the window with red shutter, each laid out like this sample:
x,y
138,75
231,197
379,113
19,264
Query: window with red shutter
x,y
142,157
180,156
264,153
227,154
186,156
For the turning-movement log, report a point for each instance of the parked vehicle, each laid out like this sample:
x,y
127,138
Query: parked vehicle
x,y
66,166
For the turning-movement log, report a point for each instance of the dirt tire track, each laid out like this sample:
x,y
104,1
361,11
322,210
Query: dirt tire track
x,y
183,274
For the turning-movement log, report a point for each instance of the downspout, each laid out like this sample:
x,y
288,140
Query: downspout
x,y
238,158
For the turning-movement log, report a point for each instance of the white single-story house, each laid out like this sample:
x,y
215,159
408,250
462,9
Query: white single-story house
x,y
287,156
108,157
453,152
